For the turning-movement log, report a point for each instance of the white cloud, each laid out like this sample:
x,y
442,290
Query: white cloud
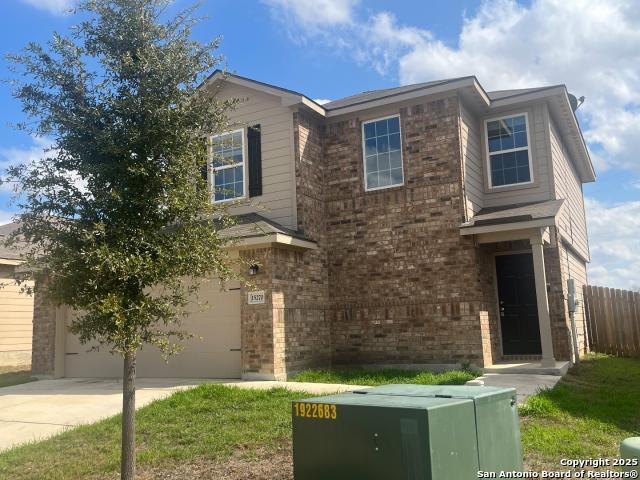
x,y
321,101
6,217
613,235
384,41
53,6
314,14
592,46
40,148
22,155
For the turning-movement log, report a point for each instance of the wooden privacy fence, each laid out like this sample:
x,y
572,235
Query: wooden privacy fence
x,y
613,320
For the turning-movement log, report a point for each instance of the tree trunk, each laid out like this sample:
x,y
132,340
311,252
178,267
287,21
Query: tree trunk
x,y
128,459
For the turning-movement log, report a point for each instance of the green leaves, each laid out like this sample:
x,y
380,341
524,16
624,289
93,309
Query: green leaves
x,y
117,212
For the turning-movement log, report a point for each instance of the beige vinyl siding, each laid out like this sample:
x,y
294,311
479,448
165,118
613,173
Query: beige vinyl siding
x,y
571,221
574,267
471,160
16,320
277,201
538,134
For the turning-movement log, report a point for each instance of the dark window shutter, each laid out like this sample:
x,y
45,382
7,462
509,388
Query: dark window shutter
x,y
204,164
254,150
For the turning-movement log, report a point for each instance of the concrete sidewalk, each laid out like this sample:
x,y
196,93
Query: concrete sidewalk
x,y
37,410
524,383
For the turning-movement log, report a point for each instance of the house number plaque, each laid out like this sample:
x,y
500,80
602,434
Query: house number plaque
x,y
256,298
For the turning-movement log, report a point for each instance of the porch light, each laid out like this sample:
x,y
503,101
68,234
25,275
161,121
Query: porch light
x,y
253,269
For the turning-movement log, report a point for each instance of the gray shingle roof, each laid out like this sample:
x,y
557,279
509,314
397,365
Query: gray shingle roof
x,y
383,93
500,94
255,225
7,228
515,213
389,92
247,225
6,252
372,95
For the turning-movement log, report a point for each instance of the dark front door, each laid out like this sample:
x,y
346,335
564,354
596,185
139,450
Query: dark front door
x,y
518,306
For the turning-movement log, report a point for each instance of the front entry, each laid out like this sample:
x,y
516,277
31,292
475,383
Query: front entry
x,y
518,305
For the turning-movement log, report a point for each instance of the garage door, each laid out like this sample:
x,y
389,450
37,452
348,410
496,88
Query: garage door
x,y
213,352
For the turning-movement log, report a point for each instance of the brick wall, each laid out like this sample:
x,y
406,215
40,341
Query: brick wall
x,y
490,320
44,331
302,275
258,335
301,310
404,286
559,321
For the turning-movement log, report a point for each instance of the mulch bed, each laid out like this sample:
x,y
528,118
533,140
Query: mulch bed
x,y
261,465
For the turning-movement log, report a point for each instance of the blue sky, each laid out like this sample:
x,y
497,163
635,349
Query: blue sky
x,y
332,48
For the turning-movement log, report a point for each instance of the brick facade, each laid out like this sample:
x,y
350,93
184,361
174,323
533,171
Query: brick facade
x,y
44,331
395,282
404,286
392,280
558,314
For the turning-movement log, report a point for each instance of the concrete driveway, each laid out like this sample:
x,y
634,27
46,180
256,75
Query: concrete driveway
x,y
33,411
36,410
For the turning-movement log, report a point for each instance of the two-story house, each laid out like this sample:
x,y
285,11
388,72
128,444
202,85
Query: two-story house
x,y
434,223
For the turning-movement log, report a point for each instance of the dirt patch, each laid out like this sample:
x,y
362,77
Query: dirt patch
x,y
261,465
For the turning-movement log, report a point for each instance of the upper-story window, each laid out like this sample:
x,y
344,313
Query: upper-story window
x,y
508,150
228,166
382,153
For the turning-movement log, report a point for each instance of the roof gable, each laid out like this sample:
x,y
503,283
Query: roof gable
x,y
287,97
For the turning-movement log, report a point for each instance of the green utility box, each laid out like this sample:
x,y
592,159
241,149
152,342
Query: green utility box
x,y
407,432
630,452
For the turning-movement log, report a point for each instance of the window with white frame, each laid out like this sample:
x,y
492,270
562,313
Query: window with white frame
x,y
508,150
228,166
382,153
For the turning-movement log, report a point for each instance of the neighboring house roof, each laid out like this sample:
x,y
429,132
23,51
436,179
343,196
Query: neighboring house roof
x,y
523,212
249,229
8,228
7,253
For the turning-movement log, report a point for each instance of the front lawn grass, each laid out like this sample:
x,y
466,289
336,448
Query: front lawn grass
x,y
214,431
384,377
586,415
205,424
14,376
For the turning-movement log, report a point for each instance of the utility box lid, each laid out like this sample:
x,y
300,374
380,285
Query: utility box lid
x,y
475,393
363,398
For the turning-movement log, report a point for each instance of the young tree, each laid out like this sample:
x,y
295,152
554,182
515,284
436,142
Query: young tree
x,y
117,214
